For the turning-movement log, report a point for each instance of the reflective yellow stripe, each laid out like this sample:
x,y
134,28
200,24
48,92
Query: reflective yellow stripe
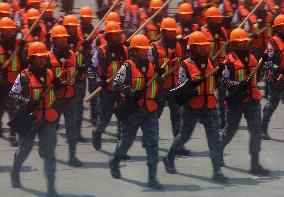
x,y
167,66
153,93
230,13
80,59
57,71
152,35
269,30
138,84
179,36
36,94
211,90
212,49
73,72
51,98
241,74
199,87
114,67
1,59
14,64
256,27
224,49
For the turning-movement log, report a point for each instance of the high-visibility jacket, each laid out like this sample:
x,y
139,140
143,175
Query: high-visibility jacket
x,y
242,72
280,45
264,37
171,80
110,66
41,37
44,110
14,68
205,97
216,44
139,81
65,70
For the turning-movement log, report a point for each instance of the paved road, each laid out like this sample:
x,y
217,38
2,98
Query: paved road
x,y
194,173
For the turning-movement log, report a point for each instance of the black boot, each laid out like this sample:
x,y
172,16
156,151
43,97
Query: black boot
x,y
15,174
114,167
81,138
256,168
51,191
13,139
265,135
222,162
153,182
97,140
183,152
169,162
73,161
218,176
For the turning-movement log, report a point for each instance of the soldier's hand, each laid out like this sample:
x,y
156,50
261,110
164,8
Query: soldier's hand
x,y
86,44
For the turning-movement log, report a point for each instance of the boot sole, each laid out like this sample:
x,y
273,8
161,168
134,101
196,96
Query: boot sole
x,y
114,175
168,170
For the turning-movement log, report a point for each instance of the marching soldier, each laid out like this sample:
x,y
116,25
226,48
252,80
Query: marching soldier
x,y
131,81
27,91
8,44
202,105
106,62
63,64
168,48
239,72
217,36
276,82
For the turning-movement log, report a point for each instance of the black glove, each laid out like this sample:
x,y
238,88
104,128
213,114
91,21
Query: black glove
x,y
264,57
81,70
161,71
86,44
22,43
195,83
137,94
254,36
56,83
102,83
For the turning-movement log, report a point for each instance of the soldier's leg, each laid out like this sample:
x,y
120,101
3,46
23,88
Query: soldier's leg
x,y
26,142
221,107
276,89
47,144
93,103
80,93
150,129
129,130
211,125
253,116
69,111
2,110
282,97
189,118
106,106
11,108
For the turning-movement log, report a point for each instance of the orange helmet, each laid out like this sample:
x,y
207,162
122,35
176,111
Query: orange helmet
x,y
37,49
32,14
58,31
169,24
112,27
155,4
71,20
279,20
113,16
50,8
5,8
185,8
140,41
238,35
86,12
29,2
213,12
7,23
197,38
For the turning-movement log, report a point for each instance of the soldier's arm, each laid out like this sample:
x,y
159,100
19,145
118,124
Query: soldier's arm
x,y
20,90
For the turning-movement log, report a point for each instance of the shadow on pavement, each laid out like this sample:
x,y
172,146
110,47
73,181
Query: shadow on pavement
x,y
167,187
5,169
42,194
87,165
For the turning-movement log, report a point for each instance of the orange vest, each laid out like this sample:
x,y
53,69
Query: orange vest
x,y
138,82
113,66
152,32
69,69
45,110
229,11
280,45
13,68
241,75
263,38
215,45
205,97
31,38
171,80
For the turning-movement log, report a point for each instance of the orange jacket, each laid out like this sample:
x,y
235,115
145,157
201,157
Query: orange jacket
x,y
280,45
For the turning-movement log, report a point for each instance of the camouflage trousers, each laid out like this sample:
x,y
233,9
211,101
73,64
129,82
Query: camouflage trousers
x,y
80,89
209,118
275,92
69,109
6,104
107,102
252,114
221,107
148,122
46,132
92,86
164,98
